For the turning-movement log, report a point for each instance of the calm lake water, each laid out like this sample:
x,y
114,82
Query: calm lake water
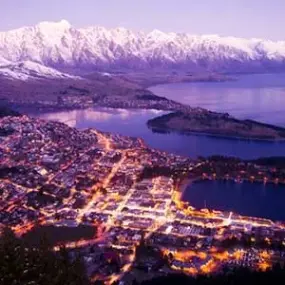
x,y
259,97
250,199
133,123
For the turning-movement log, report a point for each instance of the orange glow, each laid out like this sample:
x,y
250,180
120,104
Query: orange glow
x,y
265,255
238,254
263,266
221,256
209,267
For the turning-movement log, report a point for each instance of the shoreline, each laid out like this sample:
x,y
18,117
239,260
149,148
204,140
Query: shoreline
x,y
182,186
153,129
197,133
189,181
233,180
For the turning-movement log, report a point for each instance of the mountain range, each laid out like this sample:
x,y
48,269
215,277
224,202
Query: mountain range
x,y
57,49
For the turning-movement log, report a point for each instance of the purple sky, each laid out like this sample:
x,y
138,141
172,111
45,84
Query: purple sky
x,y
242,18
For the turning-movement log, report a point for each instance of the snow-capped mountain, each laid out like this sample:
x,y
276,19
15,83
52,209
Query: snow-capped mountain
x,y
61,45
29,70
4,61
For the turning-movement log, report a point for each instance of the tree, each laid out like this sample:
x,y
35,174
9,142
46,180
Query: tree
x,y
22,264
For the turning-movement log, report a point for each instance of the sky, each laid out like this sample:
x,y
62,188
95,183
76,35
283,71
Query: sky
x,y
240,18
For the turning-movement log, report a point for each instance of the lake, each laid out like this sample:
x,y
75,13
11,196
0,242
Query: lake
x,y
259,97
249,199
133,123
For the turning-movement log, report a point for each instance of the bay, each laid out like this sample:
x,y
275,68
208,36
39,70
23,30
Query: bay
x,y
249,199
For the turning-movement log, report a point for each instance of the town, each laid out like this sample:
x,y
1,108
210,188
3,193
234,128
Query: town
x,y
130,194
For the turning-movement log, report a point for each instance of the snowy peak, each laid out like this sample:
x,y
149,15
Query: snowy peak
x,y
53,30
59,44
52,26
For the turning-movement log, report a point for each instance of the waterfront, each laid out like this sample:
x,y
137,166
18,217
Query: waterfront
x,y
133,123
249,199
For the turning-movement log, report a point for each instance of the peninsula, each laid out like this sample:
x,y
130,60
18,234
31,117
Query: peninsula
x,y
216,124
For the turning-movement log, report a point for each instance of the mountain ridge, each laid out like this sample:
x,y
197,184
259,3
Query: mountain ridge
x,y
60,45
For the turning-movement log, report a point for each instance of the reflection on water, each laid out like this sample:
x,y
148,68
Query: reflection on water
x,y
259,97
79,118
133,123
250,199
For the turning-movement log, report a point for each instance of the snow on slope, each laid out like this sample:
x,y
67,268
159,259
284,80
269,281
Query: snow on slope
x,y
4,61
60,44
30,70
